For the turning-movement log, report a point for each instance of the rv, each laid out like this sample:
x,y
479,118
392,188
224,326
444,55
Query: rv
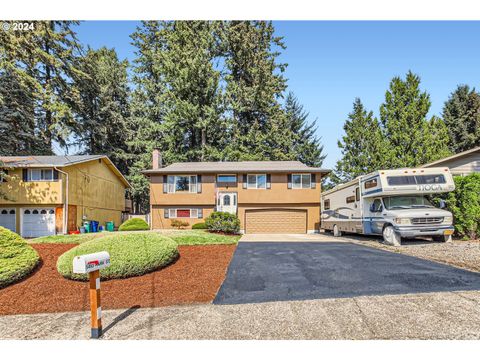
x,y
390,203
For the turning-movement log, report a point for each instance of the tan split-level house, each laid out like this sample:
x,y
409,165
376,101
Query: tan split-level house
x,y
39,189
267,196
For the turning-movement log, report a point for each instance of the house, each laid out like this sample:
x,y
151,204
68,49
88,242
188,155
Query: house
x,y
39,189
464,163
267,196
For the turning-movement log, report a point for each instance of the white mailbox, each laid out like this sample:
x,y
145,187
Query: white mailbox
x,y
84,264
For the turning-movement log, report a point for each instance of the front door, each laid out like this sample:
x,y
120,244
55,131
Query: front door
x,y
227,202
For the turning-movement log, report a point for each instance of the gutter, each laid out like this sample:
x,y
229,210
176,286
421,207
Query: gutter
x,y
65,205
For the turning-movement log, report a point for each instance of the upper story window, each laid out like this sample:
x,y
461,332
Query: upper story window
x,y
182,183
256,181
40,175
301,181
227,179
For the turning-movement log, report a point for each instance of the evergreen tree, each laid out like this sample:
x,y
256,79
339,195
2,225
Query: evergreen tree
x,y
306,147
103,112
363,145
412,138
461,114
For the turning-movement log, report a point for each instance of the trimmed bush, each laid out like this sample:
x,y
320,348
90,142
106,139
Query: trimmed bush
x,y
134,224
179,224
199,226
17,257
464,203
223,222
130,255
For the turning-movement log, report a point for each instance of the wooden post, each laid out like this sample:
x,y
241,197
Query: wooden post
x,y
95,304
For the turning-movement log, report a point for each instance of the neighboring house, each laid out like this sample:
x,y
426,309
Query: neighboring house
x,y
464,163
267,196
40,188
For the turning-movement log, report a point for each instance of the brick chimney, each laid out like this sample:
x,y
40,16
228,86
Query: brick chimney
x,y
156,159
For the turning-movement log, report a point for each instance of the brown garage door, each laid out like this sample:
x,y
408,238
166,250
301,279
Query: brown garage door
x,y
276,221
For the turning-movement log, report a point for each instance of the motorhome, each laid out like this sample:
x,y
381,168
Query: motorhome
x,y
390,203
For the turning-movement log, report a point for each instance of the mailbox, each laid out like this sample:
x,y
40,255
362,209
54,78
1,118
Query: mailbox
x,y
84,264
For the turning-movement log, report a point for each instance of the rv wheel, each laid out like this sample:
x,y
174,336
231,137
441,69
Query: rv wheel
x,y
390,237
336,232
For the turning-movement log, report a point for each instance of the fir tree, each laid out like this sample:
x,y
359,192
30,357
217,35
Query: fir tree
x,y
461,114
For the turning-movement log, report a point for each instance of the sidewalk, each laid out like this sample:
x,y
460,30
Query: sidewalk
x,y
449,315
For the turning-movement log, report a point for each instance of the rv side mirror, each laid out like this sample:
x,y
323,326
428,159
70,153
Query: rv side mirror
x,y
372,207
442,204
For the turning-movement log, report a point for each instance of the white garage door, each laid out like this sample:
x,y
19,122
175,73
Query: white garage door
x,y
8,219
38,222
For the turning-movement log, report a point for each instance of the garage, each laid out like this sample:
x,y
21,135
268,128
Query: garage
x,y
279,221
8,218
38,222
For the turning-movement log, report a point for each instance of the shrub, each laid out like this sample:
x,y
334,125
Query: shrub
x,y
464,203
179,224
17,257
224,222
134,224
130,255
199,226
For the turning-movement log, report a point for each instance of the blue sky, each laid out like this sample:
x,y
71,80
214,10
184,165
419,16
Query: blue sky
x,y
330,63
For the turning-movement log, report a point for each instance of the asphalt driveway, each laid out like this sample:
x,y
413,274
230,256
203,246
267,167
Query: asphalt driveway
x,y
281,271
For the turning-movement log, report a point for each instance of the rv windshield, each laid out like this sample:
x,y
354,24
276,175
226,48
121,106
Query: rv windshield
x,y
406,202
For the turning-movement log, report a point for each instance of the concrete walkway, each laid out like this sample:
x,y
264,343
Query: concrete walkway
x,y
450,315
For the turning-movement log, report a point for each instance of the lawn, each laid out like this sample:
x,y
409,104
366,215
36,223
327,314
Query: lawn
x,y
182,237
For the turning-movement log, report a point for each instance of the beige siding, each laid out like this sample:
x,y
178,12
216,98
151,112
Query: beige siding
x,y
463,165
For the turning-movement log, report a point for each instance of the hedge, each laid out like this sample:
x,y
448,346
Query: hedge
x,y
134,224
130,255
17,257
464,203
199,226
223,222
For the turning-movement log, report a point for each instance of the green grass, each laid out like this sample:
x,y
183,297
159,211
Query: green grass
x,y
181,237
17,258
134,224
131,254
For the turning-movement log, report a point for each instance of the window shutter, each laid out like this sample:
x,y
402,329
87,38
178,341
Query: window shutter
x,y
199,184
25,174
165,213
269,181
244,182
289,186
55,174
314,181
165,184
200,213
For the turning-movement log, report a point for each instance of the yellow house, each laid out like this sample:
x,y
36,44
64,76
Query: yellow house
x,y
38,190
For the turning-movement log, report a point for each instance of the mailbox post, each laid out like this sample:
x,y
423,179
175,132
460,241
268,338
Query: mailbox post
x,y
91,264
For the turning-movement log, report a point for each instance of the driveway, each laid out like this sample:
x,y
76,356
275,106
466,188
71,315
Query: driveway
x,y
299,270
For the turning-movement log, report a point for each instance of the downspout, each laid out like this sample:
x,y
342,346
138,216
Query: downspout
x,y
65,205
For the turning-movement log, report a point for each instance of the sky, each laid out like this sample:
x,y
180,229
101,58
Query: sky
x,y
330,63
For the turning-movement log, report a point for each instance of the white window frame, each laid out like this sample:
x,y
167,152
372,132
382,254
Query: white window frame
x,y
172,213
42,174
256,182
192,185
296,187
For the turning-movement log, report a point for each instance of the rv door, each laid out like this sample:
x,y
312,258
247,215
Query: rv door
x,y
376,217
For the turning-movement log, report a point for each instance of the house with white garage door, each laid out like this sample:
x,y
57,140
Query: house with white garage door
x,y
267,196
47,195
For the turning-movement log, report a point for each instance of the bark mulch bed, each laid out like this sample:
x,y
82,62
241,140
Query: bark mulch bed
x,y
194,278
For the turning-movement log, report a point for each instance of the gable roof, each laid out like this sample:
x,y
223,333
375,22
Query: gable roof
x,y
236,167
57,161
453,157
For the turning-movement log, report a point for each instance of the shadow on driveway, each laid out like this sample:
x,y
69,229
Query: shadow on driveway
x,y
276,271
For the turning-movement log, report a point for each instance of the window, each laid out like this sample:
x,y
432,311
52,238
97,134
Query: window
x,y
406,202
326,204
226,200
257,181
357,194
40,175
416,179
183,213
376,206
3,175
230,179
350,199
370,184
301,181
182,183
